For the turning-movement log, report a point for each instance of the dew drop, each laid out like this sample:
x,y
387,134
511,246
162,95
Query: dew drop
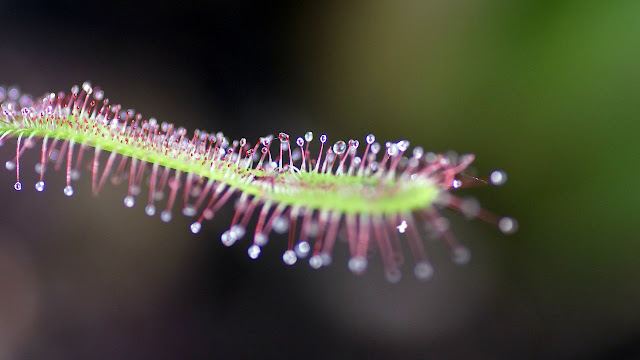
x,y
326,259
308,136
300,141
423,270
10,165
254,251
393,275
296,155
238,231
430,157
86,86
280,225
150,210
508,225
195,227
283,137
498,177
260,239
403,145
17,186
357,264
98,95
456,183
14,93
392,149
228,238
315,261
323,138
40,186
129,201
402,227
340,147
189,211
371,139
375,148
302,249
68,190
289,257
166,216
461,255
418,152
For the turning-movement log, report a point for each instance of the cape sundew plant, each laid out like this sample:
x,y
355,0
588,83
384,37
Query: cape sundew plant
x,y
374,196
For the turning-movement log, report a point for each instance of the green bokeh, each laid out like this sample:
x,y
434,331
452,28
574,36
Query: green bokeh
x,y
547,91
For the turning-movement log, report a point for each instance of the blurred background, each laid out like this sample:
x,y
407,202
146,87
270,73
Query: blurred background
x,y
546,90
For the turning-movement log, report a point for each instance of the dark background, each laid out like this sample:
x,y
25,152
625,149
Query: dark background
x,y
547,90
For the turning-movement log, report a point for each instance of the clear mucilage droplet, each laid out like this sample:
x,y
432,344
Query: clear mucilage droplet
x,y
280,225
166,215
150,210
195,227
375,148
228,238
40,186
423,270
461,255
129,201
289,257
392,150
371,139
340,147
254,251
418,152
260,239
357,264
315,261
498,177
302,249
283,137
68,190
508,225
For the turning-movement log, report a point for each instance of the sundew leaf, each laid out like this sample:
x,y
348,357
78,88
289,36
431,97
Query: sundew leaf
x,y
383,196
